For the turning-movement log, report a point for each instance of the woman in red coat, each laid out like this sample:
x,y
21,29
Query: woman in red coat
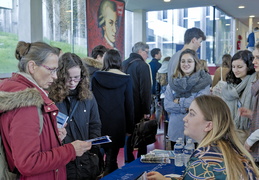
x,y
34,153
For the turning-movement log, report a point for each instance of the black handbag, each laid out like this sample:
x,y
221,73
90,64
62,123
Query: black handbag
x,y
144,133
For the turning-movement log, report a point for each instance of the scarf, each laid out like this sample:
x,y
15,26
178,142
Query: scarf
x,y
255,118
237,96
73,93
185,86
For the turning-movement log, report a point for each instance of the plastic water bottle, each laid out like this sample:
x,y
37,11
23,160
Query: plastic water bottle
x,y
187,152
181,141
192,144
178,151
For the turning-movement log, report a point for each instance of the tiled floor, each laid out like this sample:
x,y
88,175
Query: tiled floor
x,y
159,144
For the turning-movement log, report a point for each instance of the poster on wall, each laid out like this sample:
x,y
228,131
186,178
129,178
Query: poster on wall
x,y
105,24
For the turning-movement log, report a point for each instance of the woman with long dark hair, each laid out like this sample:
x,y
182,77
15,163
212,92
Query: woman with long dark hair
x,y
237,91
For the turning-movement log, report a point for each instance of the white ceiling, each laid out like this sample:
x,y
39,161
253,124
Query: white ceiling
x,y
230,7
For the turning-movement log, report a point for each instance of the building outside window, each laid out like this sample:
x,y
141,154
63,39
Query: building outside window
x,y
168,34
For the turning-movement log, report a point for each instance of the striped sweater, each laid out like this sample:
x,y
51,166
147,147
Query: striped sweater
x,y
208,163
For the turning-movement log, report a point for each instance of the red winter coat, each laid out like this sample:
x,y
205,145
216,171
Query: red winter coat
x,y
35,155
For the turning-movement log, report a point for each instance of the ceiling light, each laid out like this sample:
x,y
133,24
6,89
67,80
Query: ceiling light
x,y
252,16
241,7
257,22
167,0
227,24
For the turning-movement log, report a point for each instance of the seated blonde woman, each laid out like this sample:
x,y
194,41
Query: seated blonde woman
x,y
220,155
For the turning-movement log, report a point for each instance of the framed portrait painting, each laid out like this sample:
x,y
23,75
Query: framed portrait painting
x,y
105,24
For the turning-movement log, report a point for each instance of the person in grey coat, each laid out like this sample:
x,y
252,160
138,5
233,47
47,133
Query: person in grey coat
x,y
189,82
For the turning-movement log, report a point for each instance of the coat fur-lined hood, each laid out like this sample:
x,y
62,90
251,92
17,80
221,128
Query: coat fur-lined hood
x,y
92,62
24,98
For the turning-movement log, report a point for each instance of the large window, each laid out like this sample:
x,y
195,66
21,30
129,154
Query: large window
x,y
8,37
224,36
167,32
64,25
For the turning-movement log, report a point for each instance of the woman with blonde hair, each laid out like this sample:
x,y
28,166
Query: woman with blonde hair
x,y
220,155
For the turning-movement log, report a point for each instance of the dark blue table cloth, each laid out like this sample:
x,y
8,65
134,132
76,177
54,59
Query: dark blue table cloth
x,y
134,169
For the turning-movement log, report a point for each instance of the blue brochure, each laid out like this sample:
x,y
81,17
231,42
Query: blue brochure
x,y
61,119
100,140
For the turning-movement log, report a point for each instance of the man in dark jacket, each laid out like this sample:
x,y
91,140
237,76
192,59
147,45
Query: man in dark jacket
x,y
139,70
154,65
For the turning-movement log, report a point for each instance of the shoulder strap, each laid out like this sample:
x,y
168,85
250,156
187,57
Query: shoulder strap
x,y
70,116
74,109
126,68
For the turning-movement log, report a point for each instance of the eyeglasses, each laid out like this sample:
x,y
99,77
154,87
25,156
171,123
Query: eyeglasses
x,y
146,52
51,70
75,79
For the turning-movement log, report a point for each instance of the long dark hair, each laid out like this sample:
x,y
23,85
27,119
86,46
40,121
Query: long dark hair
x,y
112,60
247,57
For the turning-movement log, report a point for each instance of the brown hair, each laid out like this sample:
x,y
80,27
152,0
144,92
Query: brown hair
x,y
58,90
179,72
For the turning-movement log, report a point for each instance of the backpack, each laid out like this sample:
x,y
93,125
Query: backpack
x,y
5,174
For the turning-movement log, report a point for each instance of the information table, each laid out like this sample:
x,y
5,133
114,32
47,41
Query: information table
x,y
134,169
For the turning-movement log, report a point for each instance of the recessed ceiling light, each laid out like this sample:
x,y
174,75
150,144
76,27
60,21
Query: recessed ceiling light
x,y
227,24
167,0
241,7
252,16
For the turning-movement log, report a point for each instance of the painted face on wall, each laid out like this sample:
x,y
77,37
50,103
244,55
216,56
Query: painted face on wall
x,y
110,27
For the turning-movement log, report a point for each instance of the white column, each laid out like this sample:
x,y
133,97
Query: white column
x,y
30,21
139,26
250,24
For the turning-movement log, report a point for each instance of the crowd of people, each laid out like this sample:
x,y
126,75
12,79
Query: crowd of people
x,y
106,95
